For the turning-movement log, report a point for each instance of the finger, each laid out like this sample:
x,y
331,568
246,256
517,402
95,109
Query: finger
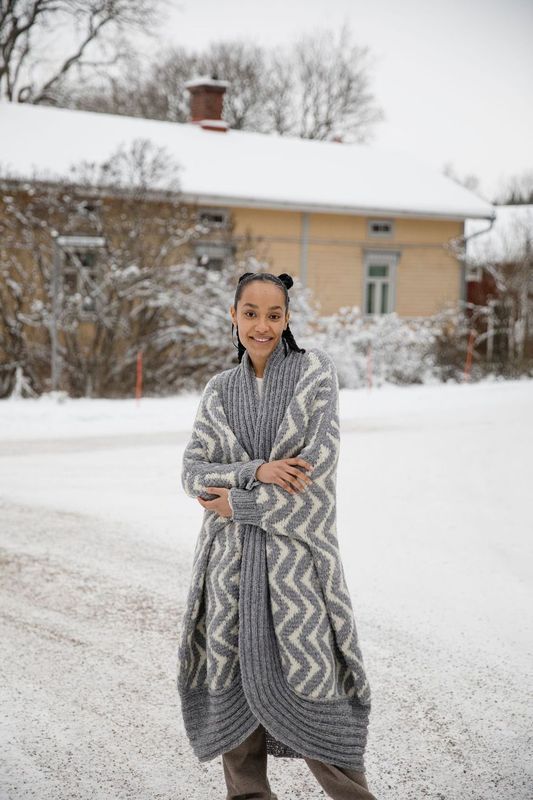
x,y
300,476
295,487
301,462
298,479
292,485
285,485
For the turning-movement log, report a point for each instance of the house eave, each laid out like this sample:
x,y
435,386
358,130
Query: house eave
x,y
158,195
364,211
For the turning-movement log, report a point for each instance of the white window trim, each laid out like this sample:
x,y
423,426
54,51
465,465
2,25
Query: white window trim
x,y
214,249
372,257
80,242
381,234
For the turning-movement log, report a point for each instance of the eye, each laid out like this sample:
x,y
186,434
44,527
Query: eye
x,y
274,316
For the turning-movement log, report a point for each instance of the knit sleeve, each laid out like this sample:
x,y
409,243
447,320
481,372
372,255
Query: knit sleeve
x,y
310,512
200,468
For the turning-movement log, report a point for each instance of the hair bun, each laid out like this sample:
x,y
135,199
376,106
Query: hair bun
x,y
286,279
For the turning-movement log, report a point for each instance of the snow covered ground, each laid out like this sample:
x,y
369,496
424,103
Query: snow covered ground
x,y
435,529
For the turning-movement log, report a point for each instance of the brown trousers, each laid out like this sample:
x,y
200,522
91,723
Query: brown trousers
x,y
245,771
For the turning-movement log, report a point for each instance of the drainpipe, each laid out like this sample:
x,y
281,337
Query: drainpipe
x,y
460,245
304,247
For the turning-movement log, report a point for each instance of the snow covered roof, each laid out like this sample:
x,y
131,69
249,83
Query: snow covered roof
x,y
239,168
507,240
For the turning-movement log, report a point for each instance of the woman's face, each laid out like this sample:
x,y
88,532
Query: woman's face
x,y
260,317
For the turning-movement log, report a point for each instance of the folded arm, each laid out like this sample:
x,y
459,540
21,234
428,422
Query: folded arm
x,y
200,467
198,472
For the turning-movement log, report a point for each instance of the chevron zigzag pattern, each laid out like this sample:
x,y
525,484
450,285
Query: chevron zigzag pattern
x,y
269,632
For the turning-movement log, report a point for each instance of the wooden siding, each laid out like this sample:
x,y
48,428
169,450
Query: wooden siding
x,y
428,277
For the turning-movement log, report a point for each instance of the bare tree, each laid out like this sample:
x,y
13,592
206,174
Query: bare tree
x,y
469,181
158,91
281,113
164,93
29,30
332,88
142,290
512,273
108,303
318,88
501,311
243,65
152,91
518,190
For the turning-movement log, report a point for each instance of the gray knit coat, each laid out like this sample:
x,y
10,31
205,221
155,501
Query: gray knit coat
x,y
268,634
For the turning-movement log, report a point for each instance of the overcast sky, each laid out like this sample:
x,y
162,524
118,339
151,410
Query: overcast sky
x,y
454,77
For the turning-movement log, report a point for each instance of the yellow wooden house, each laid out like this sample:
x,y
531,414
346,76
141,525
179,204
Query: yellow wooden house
x,y
359,225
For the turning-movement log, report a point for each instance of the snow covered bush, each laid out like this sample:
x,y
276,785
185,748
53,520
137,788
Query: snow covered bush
x,y
382,349
135,289
99,269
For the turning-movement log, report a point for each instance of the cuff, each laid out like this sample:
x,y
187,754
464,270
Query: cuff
x,y
247,472
244,506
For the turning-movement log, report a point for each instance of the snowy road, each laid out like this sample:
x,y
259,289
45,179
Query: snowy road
x,y
89,615
96,549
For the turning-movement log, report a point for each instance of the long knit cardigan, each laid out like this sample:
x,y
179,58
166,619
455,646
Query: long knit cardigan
x,y
268,633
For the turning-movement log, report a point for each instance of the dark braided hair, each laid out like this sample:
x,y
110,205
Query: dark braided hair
x,y
284,281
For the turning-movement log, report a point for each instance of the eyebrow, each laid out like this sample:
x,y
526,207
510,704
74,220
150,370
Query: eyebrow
x,y
256,306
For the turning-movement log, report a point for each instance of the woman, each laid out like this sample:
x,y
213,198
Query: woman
x,y
269,660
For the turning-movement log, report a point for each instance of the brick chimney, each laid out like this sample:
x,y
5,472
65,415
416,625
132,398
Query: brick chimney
x,y
206,102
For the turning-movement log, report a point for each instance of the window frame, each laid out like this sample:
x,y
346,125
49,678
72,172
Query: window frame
x,y
72,245
379,234
223,225
376,258
226,251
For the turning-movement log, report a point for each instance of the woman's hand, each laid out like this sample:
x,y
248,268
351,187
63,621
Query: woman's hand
x,y
286,473
219,504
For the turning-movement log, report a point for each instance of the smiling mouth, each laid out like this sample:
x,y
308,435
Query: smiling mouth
x,y
262,341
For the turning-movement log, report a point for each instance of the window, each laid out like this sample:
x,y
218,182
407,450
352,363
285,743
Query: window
x,y
474,273
87,207
81,264
381,228
380,282
213,255
80,275
214,217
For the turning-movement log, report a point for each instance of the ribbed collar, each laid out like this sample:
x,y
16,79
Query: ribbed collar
x,y
274,359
